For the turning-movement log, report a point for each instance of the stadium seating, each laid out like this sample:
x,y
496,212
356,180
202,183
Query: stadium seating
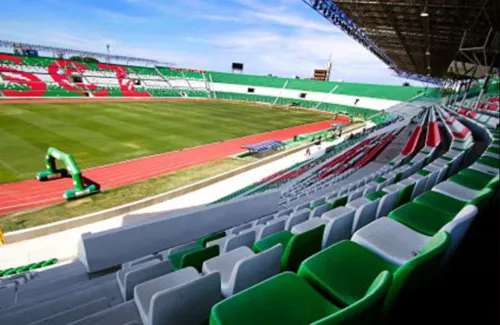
x,y
54,78
362,90
50,77
28,267
311,244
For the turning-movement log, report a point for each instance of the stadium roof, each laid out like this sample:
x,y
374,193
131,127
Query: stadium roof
x,y
68,51
421,37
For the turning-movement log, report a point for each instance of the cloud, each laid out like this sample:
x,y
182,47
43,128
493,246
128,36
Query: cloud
x,y
187,9
296,53
291,20
277,14
220,18
48,34
283,38
116,17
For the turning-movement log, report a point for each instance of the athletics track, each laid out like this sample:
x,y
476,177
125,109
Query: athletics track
x,y
32,193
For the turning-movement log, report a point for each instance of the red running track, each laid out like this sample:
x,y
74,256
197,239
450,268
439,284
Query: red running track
x,y
31,194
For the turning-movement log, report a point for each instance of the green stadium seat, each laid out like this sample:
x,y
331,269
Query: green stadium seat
x,y
475,183
432,210
194,257
203,241
296,247
289,299
344,271
283,237
338,202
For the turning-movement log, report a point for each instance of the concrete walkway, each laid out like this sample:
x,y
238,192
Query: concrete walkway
x,y
63,245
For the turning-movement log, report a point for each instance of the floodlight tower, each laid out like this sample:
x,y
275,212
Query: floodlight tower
x,y
328,67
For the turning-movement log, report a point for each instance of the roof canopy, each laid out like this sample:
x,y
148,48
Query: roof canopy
x,y
68,51
420,37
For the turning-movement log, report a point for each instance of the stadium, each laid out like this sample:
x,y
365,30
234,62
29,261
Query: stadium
x,y
138,191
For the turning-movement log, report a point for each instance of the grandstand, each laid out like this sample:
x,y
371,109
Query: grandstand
x,y
386,225
49,77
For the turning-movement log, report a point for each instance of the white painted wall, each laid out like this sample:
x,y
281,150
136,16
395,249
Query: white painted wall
x,y
179,83
156,83
364,102
198,84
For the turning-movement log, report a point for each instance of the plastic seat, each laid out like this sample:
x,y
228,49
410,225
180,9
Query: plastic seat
x,y
398,243
418,185
475,183
318,202
182,247
366,210
296,218
345,271
128,278
284,212
338,201
484,168
242,268
245,238
490,162
355,195
141,260
370,187
318,211
435,173
308,225
477,175
449,205
181,297
289,299
271,228
264,220
282,237
296,247
302,206
387,203
193,257
412,215
456,191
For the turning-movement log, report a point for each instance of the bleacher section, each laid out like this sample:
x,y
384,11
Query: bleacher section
x,y
343,88
25,76
362,99
312,244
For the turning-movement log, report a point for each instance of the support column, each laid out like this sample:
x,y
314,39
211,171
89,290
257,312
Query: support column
x,y
483,90
458,93
467,88
485,86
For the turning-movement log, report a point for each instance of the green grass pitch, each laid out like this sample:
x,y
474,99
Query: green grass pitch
x,y
101,133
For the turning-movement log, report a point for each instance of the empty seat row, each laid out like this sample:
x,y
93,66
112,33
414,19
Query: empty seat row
x,y
348,256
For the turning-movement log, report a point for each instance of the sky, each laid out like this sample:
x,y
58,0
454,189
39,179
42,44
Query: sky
x,y
279,37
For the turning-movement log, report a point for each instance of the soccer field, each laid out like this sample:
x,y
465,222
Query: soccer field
x,y
98,133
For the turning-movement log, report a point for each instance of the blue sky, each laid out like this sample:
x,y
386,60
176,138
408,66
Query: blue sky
x,y
281,37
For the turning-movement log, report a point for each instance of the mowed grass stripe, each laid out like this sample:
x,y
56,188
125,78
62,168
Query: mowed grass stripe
x,y
14,170
134,136
42,139
196,130
98,133
191,117
74,119
201,126
86,137
123,134
171,123
155,136
224,118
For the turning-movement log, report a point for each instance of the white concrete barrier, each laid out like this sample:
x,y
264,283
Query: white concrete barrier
x,y
113,247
